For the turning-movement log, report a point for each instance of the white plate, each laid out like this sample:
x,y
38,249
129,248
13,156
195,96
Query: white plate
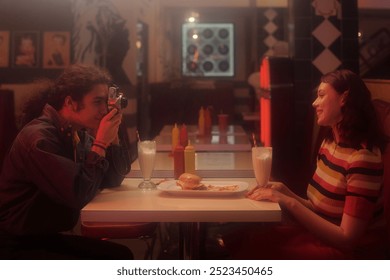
x,y
171,187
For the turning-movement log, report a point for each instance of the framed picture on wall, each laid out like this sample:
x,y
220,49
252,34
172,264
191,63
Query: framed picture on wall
x,y
56,49
25,49
208,49
4,49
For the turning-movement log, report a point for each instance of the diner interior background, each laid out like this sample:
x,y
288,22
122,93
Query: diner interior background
x,y
142,50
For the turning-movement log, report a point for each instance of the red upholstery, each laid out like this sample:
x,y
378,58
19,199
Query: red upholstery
x,y
383,111
105,230
118,230
8,128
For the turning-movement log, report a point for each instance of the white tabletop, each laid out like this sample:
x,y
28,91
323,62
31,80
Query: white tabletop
x,y
214,142
193,130
127,203
207,164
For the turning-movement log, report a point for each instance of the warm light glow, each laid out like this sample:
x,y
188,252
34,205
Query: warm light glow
x,y
265,121
265,81
192,17
196,56
265,104
195,36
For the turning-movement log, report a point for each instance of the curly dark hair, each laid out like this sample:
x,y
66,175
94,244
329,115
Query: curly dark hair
x,y
75,81
359,122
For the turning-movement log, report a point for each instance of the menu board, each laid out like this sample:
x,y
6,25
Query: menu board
x,y
208,49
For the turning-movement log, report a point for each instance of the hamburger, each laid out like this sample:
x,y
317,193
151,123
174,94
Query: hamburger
x,y
188,181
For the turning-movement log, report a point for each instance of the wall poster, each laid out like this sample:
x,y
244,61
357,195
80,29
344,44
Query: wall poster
x,y
25,49
56,49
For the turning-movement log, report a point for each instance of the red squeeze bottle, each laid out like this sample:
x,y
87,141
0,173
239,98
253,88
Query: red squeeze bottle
x,y
183,136
178,161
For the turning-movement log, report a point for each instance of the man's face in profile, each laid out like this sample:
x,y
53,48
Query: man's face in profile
x,y
92,108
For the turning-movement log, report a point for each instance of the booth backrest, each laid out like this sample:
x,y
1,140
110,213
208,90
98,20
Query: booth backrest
x,y
7,122
383,111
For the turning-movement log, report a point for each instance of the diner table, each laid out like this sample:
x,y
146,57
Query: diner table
x,y
193,130
213,162
213,142
127,203
207,164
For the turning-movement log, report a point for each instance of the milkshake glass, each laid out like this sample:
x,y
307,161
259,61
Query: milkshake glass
x,y
262,163
146,158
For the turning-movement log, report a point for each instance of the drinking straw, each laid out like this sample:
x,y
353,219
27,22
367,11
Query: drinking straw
x,y
139,139
254,140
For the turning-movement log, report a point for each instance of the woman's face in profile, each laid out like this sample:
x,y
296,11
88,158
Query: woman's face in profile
x,y
328,105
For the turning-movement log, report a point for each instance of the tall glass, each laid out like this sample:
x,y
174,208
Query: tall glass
x,y
262,163
146,157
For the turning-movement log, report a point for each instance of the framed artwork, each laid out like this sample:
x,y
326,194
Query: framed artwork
x,y
208,49
374,50
4,49
25,49
56,49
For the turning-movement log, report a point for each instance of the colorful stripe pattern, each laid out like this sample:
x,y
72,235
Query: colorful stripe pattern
x,y
347,180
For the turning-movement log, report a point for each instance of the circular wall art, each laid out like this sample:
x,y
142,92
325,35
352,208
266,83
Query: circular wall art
x,y
211,52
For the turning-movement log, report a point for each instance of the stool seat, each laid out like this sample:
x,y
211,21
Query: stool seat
x,y
117,230
108,230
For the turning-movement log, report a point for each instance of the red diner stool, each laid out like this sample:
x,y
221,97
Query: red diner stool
x,y
106,230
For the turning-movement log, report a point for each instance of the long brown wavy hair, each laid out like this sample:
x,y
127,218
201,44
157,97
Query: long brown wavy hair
x,y
359,124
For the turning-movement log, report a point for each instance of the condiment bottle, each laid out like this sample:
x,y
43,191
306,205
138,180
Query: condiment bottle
x,y
189,158
178,161
207,121
175,137
201,121
183,135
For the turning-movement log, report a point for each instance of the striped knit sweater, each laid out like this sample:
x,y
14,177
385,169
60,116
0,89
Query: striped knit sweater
x,y
347,180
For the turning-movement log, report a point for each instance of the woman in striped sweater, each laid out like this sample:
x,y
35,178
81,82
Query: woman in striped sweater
x,y
343,196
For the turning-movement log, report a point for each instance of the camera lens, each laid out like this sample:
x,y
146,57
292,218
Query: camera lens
x,y
112,92
124,102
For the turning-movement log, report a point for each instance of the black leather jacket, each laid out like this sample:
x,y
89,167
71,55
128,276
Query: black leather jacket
x,y
45,180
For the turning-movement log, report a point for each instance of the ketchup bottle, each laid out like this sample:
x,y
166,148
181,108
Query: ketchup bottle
x,y
183,135
178,161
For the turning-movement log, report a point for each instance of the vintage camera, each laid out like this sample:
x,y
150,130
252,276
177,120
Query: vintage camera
x,y
116,99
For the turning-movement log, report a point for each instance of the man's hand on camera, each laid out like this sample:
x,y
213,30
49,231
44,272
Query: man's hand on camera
x,y
109,126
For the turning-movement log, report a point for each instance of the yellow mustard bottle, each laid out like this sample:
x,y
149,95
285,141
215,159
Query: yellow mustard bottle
x,y
175,137
189,158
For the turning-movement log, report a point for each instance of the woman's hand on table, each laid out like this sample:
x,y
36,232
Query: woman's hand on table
x,y
273,191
